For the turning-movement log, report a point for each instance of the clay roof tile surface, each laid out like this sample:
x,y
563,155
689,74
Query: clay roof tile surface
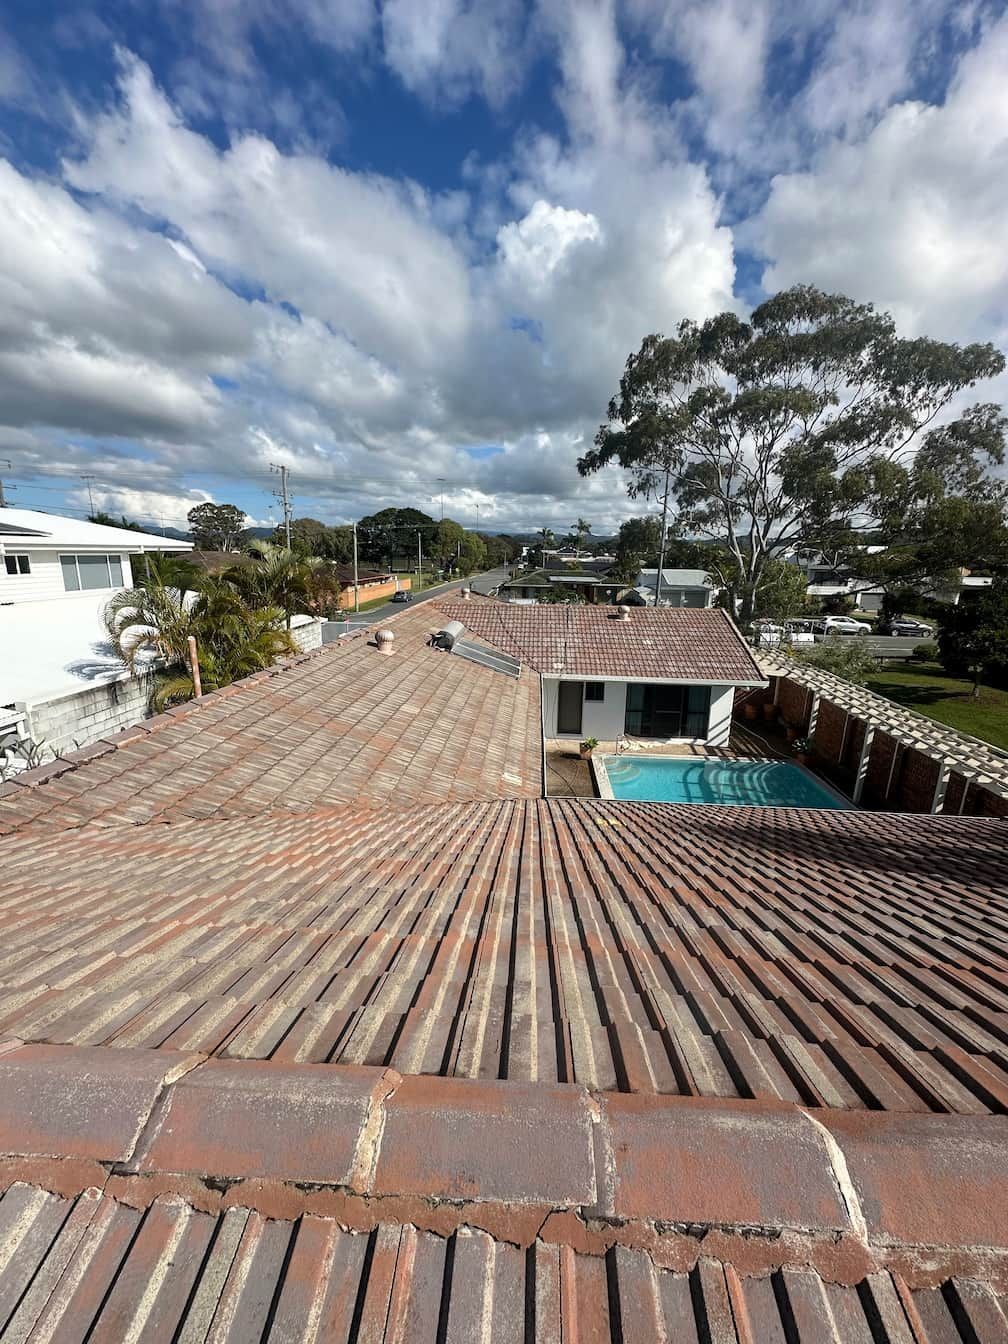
x,y
675,644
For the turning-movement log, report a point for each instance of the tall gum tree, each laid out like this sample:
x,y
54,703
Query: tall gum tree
x,y
802,427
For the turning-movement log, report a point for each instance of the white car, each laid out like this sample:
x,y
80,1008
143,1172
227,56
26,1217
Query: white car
x,y
844,625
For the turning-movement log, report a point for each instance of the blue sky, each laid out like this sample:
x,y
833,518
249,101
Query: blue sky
x,y
389,243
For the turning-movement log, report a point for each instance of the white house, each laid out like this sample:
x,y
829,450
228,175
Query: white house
x,y
825,580
60,682
679,587
665,673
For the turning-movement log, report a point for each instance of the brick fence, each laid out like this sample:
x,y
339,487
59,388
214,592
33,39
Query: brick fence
x,y
370,592
897,776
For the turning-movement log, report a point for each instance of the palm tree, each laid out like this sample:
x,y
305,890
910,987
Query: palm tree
x,y
233,637
581,530
279,577
547,540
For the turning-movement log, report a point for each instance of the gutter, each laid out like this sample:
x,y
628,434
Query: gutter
x,y
542,733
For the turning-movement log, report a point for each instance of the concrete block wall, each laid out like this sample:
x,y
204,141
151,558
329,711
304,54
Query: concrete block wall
x,y
84,716
308,637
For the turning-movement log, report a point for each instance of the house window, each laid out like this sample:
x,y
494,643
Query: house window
x,y
17,564
594,690
83,573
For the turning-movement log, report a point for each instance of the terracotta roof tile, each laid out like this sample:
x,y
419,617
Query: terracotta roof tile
x,y
585,641
347,724
90,1267
728,952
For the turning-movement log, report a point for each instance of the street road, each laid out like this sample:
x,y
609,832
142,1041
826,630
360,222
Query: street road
x,y
482,583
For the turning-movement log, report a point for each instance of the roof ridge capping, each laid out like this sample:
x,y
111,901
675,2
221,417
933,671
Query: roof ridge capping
x,y
837,1190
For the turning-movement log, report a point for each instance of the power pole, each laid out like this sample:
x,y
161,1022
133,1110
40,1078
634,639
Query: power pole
x,y
4,462
284,498
87,481
441,482
477,518
356,584
419,561
664,534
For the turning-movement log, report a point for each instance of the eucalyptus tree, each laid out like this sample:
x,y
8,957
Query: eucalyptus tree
x,y
803,427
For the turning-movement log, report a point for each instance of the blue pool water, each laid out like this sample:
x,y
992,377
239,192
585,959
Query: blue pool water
x,y
679,779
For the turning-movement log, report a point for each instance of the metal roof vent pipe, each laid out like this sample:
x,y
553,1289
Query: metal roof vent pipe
x,y
467,594
384,640
624,613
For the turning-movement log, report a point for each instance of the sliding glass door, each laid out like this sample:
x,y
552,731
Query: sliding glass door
x,y
667,711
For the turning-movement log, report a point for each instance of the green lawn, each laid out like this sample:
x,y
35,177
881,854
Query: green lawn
x,y
929,690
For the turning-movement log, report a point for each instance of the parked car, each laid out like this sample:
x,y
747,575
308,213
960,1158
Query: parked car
x,y
845,625
403,595
909,629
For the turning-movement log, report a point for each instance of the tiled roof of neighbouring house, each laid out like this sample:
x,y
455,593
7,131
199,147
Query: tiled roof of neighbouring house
x,y
586,641
345,724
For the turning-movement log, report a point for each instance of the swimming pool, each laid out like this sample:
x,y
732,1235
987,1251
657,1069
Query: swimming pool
x,y
686,779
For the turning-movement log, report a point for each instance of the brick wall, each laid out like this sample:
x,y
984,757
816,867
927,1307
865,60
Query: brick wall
x,y
829,731
981,803
794,702
913,789
838,751
369,592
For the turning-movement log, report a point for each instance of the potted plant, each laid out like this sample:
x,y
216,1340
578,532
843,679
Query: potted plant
x,y
587,747
802,748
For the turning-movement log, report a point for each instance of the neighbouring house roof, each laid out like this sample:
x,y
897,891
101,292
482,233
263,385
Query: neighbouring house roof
x,y
625,1070
695,644
51,530
55,646
676,578
345,723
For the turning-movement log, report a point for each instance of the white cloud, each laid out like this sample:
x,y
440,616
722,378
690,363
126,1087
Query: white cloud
x,y
912,215
357,251
444,50
234,299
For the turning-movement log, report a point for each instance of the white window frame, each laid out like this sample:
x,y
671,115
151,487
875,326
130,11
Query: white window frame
x,y
75,556
22,566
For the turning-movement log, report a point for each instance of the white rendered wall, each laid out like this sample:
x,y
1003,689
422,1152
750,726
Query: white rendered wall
x,y
722,701
605,719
